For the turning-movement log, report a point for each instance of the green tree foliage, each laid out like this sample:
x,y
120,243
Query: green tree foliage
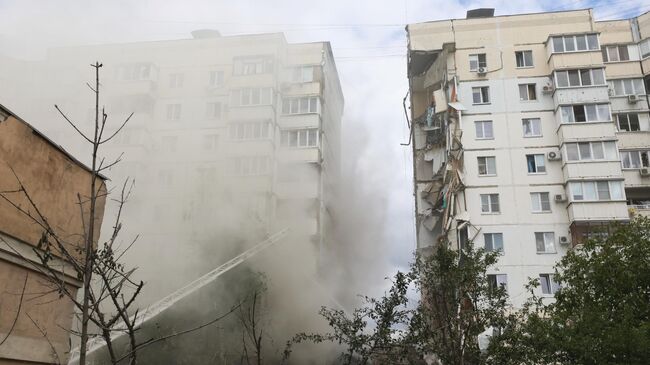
x,y
454,303
601,314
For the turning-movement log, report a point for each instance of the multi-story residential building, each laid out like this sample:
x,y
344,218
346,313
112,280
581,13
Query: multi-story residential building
x,y
35,318
530,132
232,137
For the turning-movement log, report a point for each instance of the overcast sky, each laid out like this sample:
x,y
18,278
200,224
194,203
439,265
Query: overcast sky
x,y
367,37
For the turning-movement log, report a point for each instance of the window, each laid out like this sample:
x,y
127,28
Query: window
x,y
628,122
524,59
645,48
249,130
585,113
624,87
527,92
252,65
575,43
136,71
250,165
477,61
582,77
169,143
484,129
536,164
176,80
490,203
589,151
615,53
493,242
596,190
481,95
540,202
487,166
532,127
549,286
252,97
165,177
634,159
300,105
210,141
545,242
216,78
302,74
498,281
173,111
213,110
299,138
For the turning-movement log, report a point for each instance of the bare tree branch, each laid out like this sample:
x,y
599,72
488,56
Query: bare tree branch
x,y
20,305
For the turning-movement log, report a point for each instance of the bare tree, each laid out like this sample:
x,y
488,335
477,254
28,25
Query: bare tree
x,y
109,293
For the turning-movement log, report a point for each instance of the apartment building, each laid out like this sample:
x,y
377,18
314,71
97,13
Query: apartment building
x,y
35,319
530,133
232,137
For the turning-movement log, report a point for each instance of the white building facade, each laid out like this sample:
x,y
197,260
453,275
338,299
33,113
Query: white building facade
x,y
529,133
232,138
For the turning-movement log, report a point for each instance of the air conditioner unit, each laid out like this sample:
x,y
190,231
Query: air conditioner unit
x,y
564,240
644,171
553,156
482,71
560,198
632,99
547,89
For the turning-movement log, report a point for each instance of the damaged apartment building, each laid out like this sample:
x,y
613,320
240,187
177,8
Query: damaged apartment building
x,y
530,133
231,136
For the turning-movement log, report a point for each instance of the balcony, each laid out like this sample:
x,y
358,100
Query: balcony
x,y
592,169
622,103
581,95
308,120
631,140
307,154
598,211
593,131
587,59
642,210
620,70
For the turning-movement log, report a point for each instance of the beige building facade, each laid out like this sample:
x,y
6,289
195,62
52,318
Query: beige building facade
x,y
530,133
34,319
232,138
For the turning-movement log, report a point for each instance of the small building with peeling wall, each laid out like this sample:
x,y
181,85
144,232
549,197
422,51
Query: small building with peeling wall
x,y
34,319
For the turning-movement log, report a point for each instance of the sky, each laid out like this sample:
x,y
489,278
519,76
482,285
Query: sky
x,y
369,45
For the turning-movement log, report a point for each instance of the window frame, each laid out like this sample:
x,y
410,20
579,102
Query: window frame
x,y
545,242
532,127
594,189
574,43
537,197
585,113
528,87
303,138
293,105
173,112
605,50
484,92
483,123
476,57
523,59
628,122
634,82
579,73
486,165
498,279
642,162
492,202
547,284
591,157
537,157
492,241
